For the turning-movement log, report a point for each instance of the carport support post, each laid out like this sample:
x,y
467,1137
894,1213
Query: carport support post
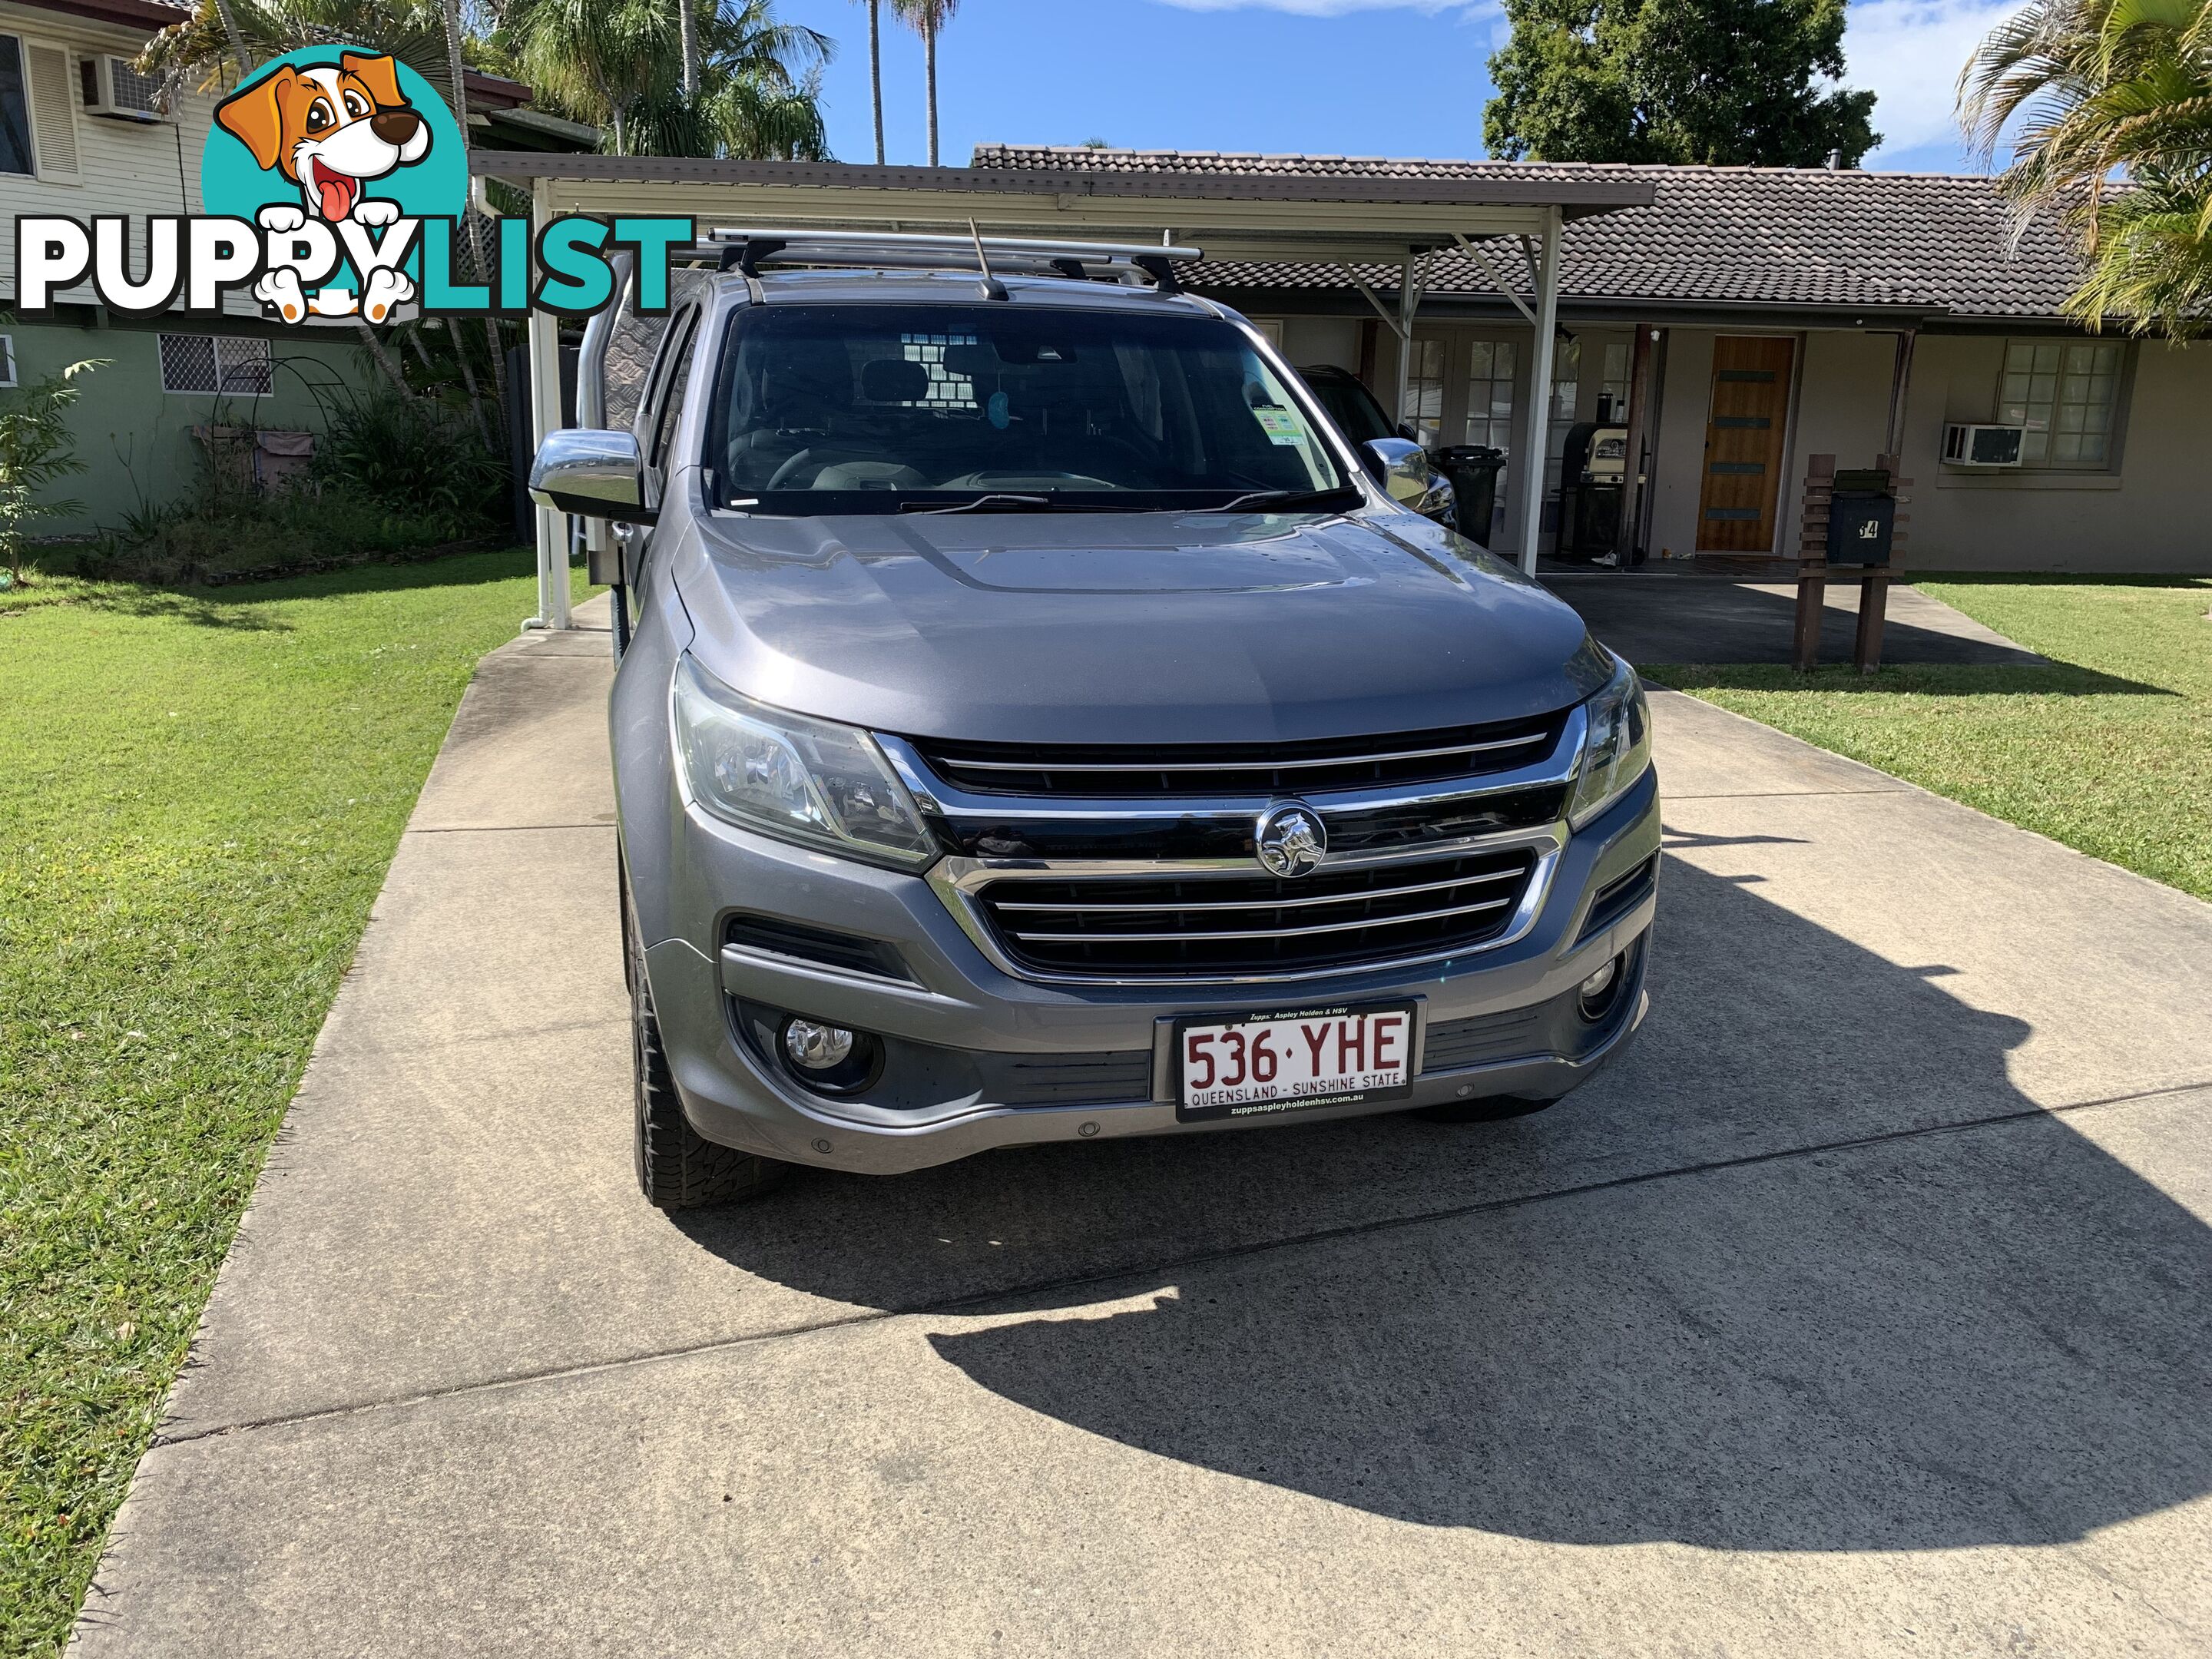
x,y
1539,394
545,337
1409,302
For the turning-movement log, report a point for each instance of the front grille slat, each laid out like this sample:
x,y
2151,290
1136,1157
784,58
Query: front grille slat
x,y
1153,927
1062,769
1241,769
1201,903
1264,933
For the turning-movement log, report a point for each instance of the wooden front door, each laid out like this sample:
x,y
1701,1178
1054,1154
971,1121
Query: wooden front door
x,y
1743,444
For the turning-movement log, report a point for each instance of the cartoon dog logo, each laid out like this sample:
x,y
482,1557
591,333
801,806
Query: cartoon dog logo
x,y
330,131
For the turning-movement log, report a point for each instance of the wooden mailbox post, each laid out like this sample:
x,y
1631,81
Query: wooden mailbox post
x,y
1816,569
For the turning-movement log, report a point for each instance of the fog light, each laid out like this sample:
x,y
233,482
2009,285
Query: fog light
x,y
815,1048
830,1060
1600,994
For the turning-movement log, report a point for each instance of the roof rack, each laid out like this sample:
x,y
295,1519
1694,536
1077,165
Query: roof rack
x,y
748,248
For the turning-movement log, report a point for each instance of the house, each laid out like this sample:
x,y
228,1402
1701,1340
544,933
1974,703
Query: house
x,y
1748,319
81,134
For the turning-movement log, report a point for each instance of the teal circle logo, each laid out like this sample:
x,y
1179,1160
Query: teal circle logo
x,y
327,128
330,144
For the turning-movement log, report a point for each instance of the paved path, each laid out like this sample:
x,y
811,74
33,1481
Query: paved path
x,y
1862,1310
1670,618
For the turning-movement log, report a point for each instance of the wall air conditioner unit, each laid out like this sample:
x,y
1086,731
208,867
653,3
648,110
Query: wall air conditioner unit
x,y
1983,445
112,88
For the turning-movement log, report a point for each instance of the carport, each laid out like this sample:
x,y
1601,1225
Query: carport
x,y
1364,224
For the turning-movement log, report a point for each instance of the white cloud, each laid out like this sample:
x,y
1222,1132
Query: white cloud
x,y
1909,53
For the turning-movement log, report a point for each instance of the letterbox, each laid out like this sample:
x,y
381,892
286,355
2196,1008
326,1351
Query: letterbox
x,y
1861,517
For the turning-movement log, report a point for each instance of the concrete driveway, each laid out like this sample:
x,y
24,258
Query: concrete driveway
x,y
1863,1309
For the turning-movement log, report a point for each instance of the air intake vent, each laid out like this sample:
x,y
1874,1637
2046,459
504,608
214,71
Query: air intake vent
x,y
822,946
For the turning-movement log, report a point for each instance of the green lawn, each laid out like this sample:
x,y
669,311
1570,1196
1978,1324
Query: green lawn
x,y
200,795
2109,750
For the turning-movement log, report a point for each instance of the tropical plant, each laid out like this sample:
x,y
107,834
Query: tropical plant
x,y
220,41
1718,82
928,18
409,456
36,449
622,67
2105,107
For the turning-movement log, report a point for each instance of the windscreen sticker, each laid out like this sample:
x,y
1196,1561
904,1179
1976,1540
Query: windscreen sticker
x,y
1281,425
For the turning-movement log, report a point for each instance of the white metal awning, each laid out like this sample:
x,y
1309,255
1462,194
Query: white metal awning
x,y
1366,219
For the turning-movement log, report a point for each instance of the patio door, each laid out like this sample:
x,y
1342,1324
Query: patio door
x,y
1744,431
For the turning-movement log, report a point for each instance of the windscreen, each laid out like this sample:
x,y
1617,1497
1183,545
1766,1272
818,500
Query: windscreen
x,y
876,408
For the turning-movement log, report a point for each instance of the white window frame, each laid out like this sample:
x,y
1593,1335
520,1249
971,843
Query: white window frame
x,y
2075,361
245,344
7,362
46,168
1425,391
1616,354
1496,429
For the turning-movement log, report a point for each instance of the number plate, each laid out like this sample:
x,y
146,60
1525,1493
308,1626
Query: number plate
x,y
1291,1061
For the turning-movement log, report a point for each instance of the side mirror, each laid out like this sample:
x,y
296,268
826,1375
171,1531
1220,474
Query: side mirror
x,y
1409,479
1409,432
594,474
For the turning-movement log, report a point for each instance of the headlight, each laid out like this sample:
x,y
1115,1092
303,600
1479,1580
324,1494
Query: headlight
x,y
786,776
1616,745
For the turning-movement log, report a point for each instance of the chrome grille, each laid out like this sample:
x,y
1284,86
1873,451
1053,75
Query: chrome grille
x,y
1100,772
1175,926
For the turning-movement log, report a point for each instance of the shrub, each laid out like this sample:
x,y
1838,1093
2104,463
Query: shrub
x,y
411,456
230,535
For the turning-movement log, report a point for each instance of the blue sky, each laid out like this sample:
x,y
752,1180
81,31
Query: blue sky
x,y
1360,77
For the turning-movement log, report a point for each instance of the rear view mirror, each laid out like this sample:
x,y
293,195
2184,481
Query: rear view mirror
x,y
591,473
1408,477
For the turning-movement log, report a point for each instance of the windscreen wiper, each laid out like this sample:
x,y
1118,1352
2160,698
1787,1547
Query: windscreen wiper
x,y
1286,501
997,503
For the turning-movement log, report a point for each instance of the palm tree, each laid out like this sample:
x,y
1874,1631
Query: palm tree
x,y
2106,108
687,20
928,17
620,66
875,70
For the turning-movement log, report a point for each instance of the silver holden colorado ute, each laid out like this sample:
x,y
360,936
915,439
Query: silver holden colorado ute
x,y
1041,724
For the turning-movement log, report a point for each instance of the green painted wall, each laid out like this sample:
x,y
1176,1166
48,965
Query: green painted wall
x,y
136,440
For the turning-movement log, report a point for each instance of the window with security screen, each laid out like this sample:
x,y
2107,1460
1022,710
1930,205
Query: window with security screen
x,y
212,364
2065,393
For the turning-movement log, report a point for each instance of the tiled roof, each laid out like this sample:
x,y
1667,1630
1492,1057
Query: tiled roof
x,y
1791,236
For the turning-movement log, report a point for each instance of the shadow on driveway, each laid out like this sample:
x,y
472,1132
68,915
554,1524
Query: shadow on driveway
x,y
1703,619
1929,1337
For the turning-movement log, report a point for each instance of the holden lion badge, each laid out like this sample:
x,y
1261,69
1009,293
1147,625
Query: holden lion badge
x,y
1290,839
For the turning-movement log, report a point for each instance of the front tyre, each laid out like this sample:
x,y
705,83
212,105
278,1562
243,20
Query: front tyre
x,y
677,1168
